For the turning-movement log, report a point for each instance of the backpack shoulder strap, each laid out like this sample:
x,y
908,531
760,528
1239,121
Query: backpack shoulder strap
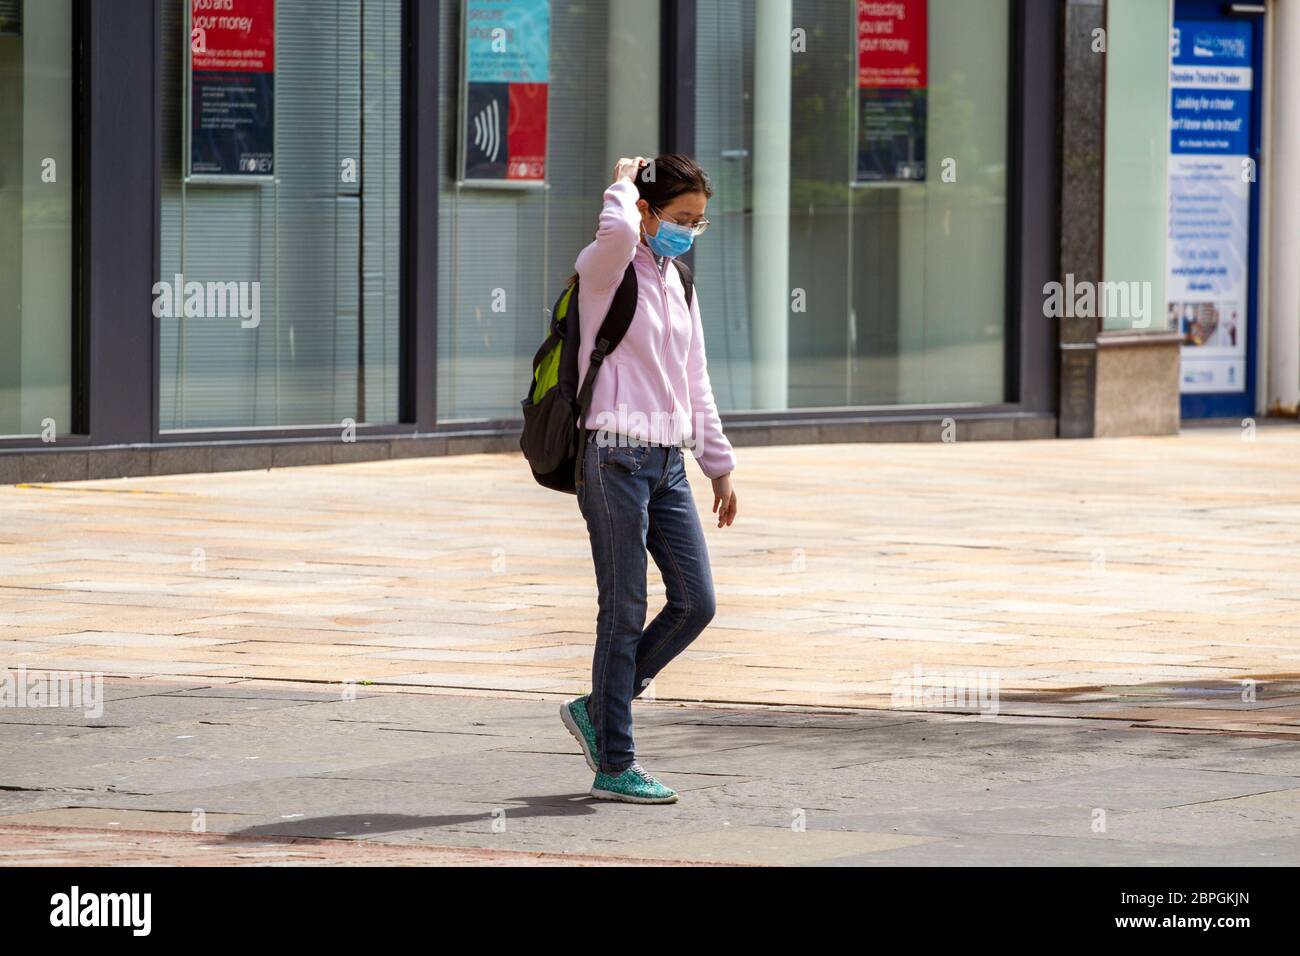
x,y
622,309
688,280
613,327
619,317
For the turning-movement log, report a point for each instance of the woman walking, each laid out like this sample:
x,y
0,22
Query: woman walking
x,y
652,397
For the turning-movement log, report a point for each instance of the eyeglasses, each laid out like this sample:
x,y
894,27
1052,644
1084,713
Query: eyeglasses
x,y
697,228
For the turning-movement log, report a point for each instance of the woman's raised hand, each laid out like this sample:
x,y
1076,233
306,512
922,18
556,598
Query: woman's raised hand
x,y
628,168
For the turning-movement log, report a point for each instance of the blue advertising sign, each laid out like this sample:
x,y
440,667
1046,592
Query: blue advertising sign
x,y
505,92
519,53
1210,177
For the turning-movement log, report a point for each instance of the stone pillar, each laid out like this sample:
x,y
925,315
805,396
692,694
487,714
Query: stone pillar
x,y
1083,119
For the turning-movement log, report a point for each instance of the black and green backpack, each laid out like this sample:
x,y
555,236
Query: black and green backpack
x,y
553,439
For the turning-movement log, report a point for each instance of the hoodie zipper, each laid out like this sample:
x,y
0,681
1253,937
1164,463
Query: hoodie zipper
x,y
660,270
668,319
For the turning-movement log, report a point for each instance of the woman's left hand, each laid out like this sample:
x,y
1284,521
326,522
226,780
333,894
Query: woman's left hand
x,y
724,500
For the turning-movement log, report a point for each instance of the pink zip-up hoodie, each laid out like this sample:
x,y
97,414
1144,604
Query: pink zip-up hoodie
x,y
655,385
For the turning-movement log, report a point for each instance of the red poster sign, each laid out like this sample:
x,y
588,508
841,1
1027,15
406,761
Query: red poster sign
x,y
893,49
232,89
235,35
892,44
526,132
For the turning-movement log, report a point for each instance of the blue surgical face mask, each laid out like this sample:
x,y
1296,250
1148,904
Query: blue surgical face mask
x,y
671,240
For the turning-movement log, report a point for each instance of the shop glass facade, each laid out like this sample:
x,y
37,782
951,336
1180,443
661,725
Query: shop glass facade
x,y
37,172
395,295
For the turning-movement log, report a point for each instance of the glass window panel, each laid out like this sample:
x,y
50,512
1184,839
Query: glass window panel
x,y
323,244
902,285
36,172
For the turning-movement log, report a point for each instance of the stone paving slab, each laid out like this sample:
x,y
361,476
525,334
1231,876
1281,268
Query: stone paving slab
x,y
1073,572
768,785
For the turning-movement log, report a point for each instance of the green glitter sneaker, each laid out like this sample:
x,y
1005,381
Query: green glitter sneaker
x,y
633,785
575,717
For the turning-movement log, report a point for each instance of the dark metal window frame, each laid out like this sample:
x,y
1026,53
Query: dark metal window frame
x,y
1033,251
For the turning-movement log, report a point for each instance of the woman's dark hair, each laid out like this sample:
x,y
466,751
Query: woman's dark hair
x,y
665,178
668,176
